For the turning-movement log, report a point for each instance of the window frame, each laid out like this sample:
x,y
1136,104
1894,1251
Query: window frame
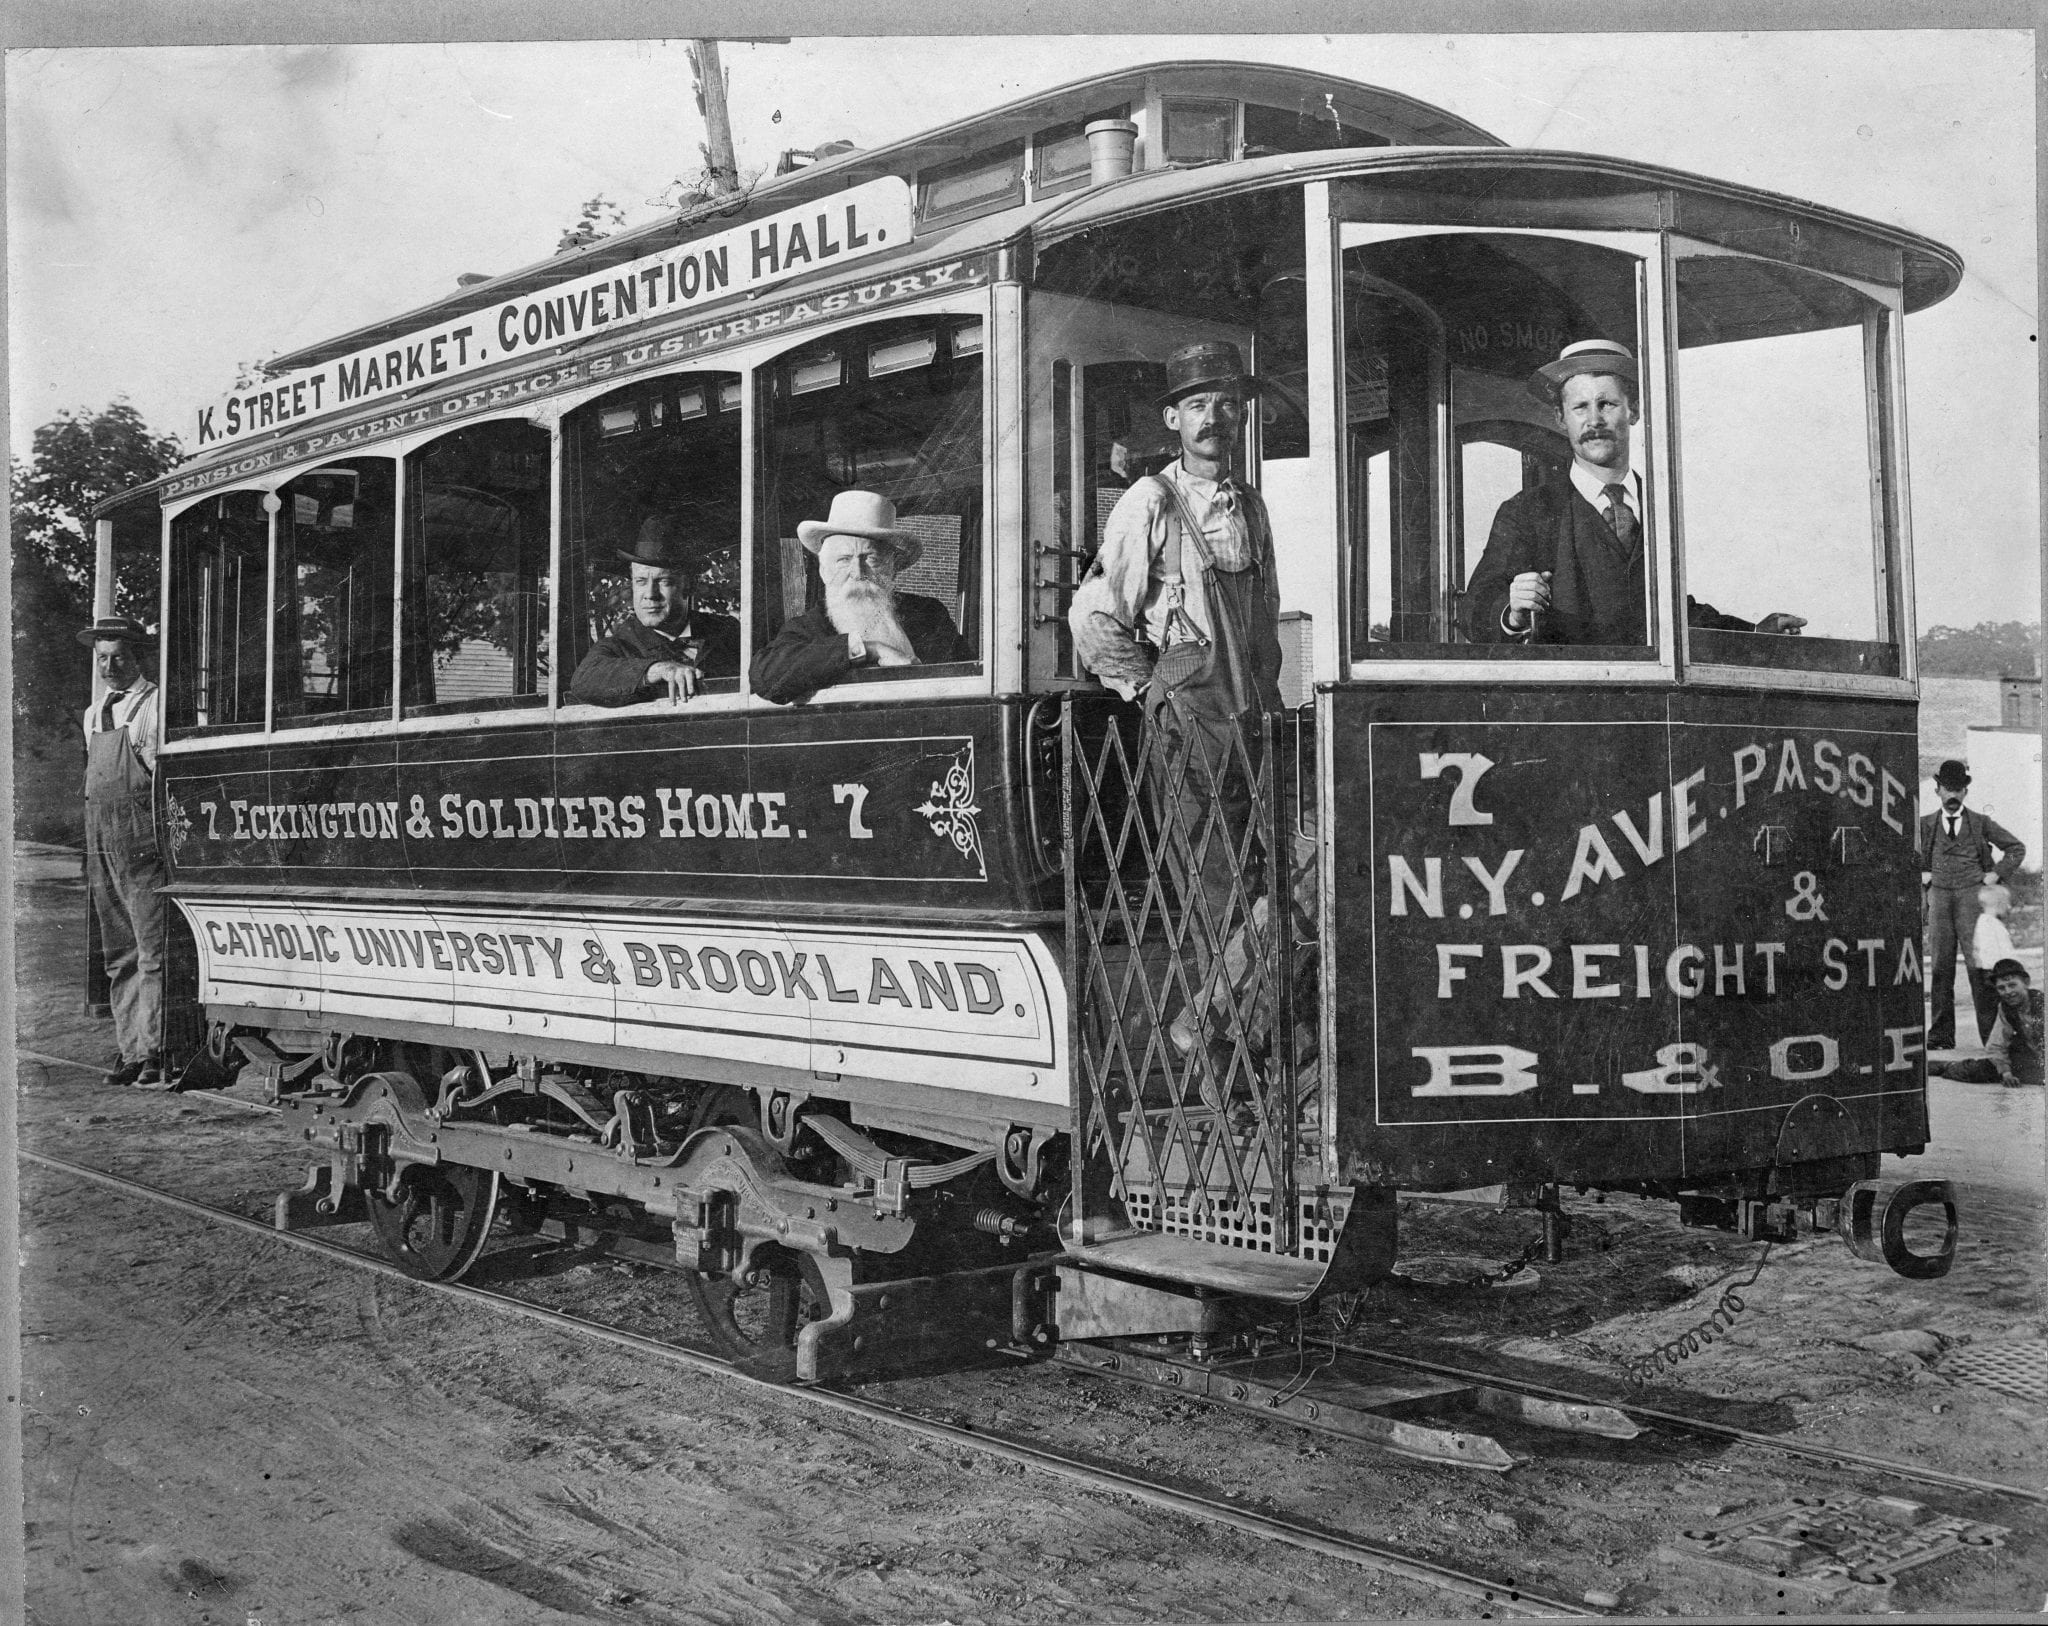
x,y
1891,506
1655,465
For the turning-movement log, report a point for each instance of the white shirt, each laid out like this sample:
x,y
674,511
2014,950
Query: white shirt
x,y
136,712
1594,490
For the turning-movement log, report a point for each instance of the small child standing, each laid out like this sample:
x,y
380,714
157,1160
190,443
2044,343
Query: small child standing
x,y
1990,944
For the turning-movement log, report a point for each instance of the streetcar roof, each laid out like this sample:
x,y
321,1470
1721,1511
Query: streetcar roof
x,y
1404,118
1632,196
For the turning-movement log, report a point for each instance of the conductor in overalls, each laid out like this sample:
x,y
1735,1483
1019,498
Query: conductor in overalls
x,y
123,869
1182,606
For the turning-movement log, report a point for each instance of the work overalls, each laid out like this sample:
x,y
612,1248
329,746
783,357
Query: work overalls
x,y
123,871
1205,698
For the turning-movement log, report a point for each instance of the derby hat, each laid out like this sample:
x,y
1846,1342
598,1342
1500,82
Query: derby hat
x,y
1952,774
2009,968
1587,356
1208,364
120,629
661,543
866,514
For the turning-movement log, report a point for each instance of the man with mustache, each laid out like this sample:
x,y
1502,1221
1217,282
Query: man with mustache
x,y
1564,563
864,621
670,646
1182,604
1955,844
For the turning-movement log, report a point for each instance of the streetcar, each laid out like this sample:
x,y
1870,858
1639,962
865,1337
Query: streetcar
x,y
857,1010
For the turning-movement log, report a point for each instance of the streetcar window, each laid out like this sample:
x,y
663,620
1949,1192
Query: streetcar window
x,y
1199,132
217,634
909,430
1443,335
663,450
1059,155
1786,498
1312,127
476,570
333,594
975,185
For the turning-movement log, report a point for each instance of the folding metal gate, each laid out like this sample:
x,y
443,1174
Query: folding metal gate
x,y
1199,1089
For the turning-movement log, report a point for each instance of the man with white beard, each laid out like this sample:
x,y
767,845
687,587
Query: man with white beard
x,y
864,621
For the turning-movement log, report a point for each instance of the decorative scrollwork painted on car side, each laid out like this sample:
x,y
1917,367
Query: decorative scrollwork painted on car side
x,y
177,824
951,810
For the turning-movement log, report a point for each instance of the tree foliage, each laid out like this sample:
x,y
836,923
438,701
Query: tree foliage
x,y
1989,649
598,219
76,461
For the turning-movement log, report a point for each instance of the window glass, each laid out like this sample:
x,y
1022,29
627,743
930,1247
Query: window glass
x,y
218,634
1199,132
987,180
895,409
1447,331
1059,155
1313,127
1774,425
476,569
334,558
661,458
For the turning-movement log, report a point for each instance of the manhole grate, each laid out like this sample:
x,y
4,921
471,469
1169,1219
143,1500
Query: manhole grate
x,y
2018,1368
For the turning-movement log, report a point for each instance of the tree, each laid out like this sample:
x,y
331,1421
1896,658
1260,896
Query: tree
x,y
598,219
1989,649
77,460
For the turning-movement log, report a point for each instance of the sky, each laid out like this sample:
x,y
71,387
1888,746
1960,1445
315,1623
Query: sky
x,y
176,212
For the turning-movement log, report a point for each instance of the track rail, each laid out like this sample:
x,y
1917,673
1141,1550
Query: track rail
x,y
1272,1527
1711,1430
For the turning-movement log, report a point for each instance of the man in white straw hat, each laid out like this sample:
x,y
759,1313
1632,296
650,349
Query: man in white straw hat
x,y
864,621
1565,562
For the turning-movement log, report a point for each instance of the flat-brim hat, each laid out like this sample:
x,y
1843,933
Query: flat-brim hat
x,y
1952,775
1587,356
119,628
866,514
661,543
1208,364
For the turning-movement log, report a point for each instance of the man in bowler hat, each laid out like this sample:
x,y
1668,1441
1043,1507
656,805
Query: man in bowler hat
x,y
864,621
1955,845
123,869
1564,563
1182,604
670,646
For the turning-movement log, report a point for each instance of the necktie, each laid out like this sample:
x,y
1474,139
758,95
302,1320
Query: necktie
x,y
107,711
1953,830
1621,517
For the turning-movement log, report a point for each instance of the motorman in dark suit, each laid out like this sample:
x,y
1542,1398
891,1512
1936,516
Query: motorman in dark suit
x,y
670,646
864,620
1564,562
1954,844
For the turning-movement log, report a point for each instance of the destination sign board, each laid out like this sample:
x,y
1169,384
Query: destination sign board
x,y
860,222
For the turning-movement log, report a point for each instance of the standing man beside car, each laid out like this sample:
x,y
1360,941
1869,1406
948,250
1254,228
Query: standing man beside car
x,y
123,869
1955,845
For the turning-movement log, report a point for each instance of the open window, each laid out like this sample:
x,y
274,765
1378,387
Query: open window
x,y
476,570
217,633
663,449
1788,494
1459,469
333,647
894,408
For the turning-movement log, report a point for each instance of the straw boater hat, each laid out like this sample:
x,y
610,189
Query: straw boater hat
x,y
119,628
1206,365
661,542
867,514
1587,356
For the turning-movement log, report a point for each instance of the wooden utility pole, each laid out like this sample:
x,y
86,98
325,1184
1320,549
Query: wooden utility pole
x,y
720,165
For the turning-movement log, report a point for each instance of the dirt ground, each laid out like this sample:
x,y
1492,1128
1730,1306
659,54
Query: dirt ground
x,y
221,1429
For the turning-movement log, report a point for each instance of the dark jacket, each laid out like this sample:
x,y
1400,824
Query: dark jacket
x,y
614,673
1976,835
1596,590
809,653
